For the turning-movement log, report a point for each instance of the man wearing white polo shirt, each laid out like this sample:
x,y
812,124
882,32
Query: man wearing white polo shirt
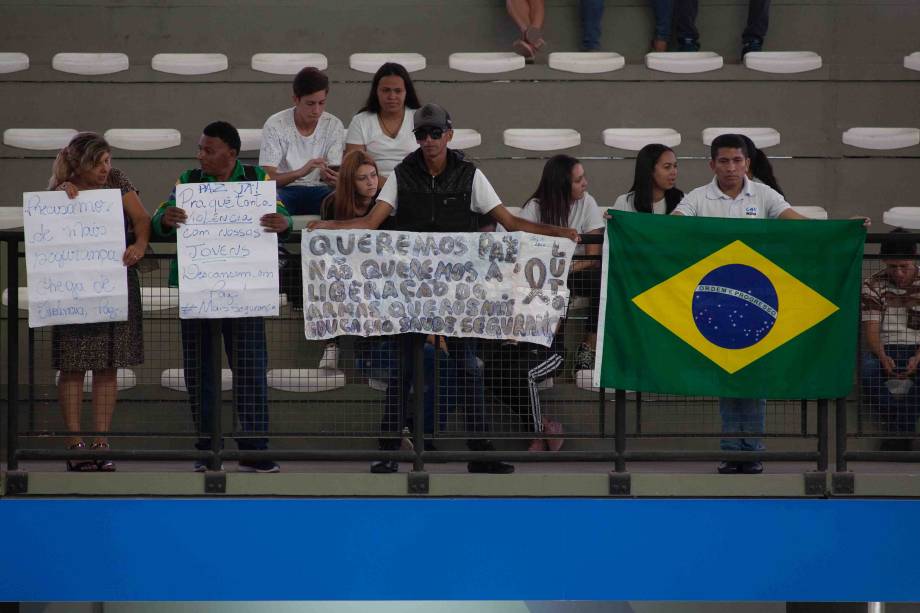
x,y
732,194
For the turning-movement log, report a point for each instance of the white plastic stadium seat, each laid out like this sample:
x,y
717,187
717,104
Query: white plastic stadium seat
x,y
633,139
881,138
10,217
466,138
125,379
683,62
13,62
143,139
305,379
250,139
159,298
90,63
288,63
541,139
22,295
911,61
486,63
174,379
812,212
586,62
40,139
762,137
903,217
370,62
189,63
782,62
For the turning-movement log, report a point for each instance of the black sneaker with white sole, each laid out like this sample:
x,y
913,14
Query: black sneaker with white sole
x,y
262,466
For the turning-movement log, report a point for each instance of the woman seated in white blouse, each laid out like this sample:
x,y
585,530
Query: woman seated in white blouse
x,y
383,126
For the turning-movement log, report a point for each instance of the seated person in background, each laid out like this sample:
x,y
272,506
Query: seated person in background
x,y
302,146
436,174
528,17
383,126
653,189
891,328
244,337
761,168
664,11
591,13
688,37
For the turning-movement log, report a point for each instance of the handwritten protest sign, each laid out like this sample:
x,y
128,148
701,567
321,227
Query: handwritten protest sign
x,y
479,284
73,257
228,263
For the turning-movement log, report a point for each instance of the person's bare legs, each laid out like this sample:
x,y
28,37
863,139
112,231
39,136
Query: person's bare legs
x,y
534,33
519,11
105,391
70,397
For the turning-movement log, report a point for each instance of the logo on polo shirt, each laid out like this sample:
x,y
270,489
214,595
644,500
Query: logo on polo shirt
x,y
751,211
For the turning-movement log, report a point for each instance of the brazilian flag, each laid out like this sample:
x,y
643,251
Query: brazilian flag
x,y
744,308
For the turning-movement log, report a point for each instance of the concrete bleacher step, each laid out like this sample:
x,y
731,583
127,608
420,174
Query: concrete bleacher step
x,y
762,137
465,138
881,138
10,217
305,380
174,379
90,63
40,139
903,217
189,63
812,212
783,62
137,139
486,63
250,139
288,63
541,139
586,62
683,62
911,61
125,379
371,62
633,139
13,62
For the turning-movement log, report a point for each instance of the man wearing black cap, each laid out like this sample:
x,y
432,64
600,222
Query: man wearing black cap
x,y
434,189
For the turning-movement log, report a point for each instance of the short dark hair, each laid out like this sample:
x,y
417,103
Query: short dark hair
x,y
728,141
309,81
225,132
899,246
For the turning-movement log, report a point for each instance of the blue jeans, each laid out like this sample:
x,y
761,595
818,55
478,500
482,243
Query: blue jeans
x,y
244,342
664,11
742,415
591,13
894,413
758,20
303,199
459,384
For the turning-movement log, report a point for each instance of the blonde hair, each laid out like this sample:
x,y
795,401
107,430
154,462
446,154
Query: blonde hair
x,y
345,195
82,153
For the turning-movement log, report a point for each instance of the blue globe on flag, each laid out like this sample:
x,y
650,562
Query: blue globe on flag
x,y
735,306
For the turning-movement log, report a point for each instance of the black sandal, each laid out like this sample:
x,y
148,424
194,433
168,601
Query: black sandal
x,y
81,466
106,466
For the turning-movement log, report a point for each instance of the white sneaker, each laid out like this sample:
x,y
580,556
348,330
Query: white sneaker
x,y
330,359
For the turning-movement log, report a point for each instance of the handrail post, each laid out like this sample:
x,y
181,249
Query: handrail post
x,y
418,357
12,353
619,408
822,434
214,374
841,429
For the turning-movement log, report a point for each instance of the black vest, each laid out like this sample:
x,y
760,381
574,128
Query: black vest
x,y
435,204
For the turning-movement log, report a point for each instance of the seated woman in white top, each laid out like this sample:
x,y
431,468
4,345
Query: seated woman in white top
x,y
383,126
653,189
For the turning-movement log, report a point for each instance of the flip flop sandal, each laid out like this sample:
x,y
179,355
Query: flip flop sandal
x,y
522,47
81,466
103,465
534,36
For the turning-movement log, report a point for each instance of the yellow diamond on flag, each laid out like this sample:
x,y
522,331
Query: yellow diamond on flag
x,y
735,306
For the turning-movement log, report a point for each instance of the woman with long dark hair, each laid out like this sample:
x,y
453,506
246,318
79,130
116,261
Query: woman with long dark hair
x,y
760,168
383,126
653,189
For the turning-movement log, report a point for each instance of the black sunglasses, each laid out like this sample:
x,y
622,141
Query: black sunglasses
x,y
434,133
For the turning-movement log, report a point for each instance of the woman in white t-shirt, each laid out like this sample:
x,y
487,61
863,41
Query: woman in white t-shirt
x,y
514,373
383,126
653,189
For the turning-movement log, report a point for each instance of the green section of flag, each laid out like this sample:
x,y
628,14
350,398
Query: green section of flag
x,y
730,307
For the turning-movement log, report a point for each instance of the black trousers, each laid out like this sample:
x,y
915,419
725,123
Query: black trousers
x,y
757,22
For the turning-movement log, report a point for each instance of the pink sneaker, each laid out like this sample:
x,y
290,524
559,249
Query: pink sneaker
x,y
554,428
537,444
